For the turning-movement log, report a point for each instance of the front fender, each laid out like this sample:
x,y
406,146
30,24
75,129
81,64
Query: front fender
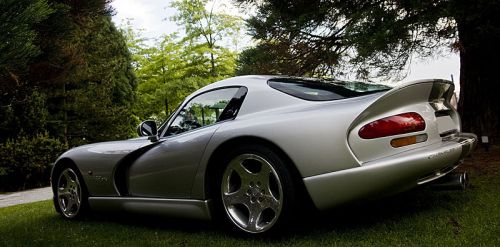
x,y
96,163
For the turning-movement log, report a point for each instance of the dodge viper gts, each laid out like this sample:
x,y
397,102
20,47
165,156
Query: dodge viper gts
x,y
250,150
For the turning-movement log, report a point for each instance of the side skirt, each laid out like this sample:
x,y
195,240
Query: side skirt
x,y
181,208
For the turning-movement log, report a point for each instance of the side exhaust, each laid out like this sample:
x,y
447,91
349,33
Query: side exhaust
x,y
452,181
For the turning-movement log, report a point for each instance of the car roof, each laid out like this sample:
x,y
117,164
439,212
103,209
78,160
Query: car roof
x,y
247,80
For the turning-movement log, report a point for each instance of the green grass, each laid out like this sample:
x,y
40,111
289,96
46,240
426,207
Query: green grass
x,y
421,217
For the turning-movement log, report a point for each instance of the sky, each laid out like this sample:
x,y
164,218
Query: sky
x,y
152,17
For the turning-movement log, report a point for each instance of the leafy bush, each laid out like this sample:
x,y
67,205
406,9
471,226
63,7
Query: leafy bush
x,y
25,162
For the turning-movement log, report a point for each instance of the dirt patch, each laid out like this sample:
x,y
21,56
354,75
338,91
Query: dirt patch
x,y
482,162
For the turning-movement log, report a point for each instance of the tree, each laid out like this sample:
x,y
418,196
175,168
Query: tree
x,y
295,38
65,79
166,77
171,71
71,71
381,37
206,29
19,40
99,95
175,65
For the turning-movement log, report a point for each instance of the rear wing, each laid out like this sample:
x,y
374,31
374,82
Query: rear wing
x,y
429,98
436,92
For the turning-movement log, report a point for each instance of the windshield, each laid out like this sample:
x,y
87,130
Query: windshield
x,y
324,90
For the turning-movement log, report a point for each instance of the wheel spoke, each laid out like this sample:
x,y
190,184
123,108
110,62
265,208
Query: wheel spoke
x,y
68,178
244,174
237,197
77,196
64,193
69,205
62,190
264,172
271,202
76,200
264,179
253,219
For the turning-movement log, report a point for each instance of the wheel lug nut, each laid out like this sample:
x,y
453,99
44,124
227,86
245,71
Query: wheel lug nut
x,y
249,192
258,184
252,184
252,199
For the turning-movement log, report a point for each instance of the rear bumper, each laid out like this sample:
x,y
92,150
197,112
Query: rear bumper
x,y
391,174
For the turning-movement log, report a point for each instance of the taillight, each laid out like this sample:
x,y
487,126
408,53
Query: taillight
x,y
393,125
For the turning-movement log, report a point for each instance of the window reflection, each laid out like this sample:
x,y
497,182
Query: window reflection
x,y
202,110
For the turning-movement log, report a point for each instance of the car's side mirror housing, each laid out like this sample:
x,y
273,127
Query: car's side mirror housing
x,y
148,128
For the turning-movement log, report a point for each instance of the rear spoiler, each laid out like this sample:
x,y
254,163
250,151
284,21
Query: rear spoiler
x,y
436,92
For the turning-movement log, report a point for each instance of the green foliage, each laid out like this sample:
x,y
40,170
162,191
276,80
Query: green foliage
x,y
370,38
169,73
277,59
80,84
301,38
25,162
99,96
135,43
65,70
205,30
19,41
176,66
27,114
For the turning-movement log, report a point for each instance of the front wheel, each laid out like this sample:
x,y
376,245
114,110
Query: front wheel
x,y
70,196
256,190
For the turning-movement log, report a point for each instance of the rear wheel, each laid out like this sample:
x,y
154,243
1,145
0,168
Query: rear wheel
x,y
257,194
70,194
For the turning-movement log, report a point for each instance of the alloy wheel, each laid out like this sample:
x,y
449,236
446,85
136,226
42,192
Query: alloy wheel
x,y
69,193
252,194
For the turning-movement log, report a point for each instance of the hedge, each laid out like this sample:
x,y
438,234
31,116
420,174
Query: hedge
x,y
26,162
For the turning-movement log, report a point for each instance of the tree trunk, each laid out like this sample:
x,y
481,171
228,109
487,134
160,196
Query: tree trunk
x,y
479,104
212,64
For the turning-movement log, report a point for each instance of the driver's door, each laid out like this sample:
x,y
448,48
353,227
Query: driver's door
x,y
168,169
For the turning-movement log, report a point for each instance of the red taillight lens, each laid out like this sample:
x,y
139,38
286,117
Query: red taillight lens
x,y
393,125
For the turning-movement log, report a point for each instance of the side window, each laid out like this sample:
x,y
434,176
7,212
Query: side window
x,y
204,109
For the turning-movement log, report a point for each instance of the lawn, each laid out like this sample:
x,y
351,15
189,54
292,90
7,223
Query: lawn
x,y
421,217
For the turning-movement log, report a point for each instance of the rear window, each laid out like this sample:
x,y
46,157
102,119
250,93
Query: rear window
x,y
324,90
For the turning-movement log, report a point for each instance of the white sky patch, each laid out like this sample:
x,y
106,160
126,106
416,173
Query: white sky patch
x,y
225,6
150,16
440,68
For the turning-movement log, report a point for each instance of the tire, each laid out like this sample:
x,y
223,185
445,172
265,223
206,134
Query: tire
x,y
70,193
255,193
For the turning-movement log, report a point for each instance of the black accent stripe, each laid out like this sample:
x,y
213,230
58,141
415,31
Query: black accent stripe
x,y
234,105
443,113
120,173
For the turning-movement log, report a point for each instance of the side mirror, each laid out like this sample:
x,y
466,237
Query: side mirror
x,y
147,128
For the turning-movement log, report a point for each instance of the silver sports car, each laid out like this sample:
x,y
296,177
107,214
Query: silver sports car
x,y
251,150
